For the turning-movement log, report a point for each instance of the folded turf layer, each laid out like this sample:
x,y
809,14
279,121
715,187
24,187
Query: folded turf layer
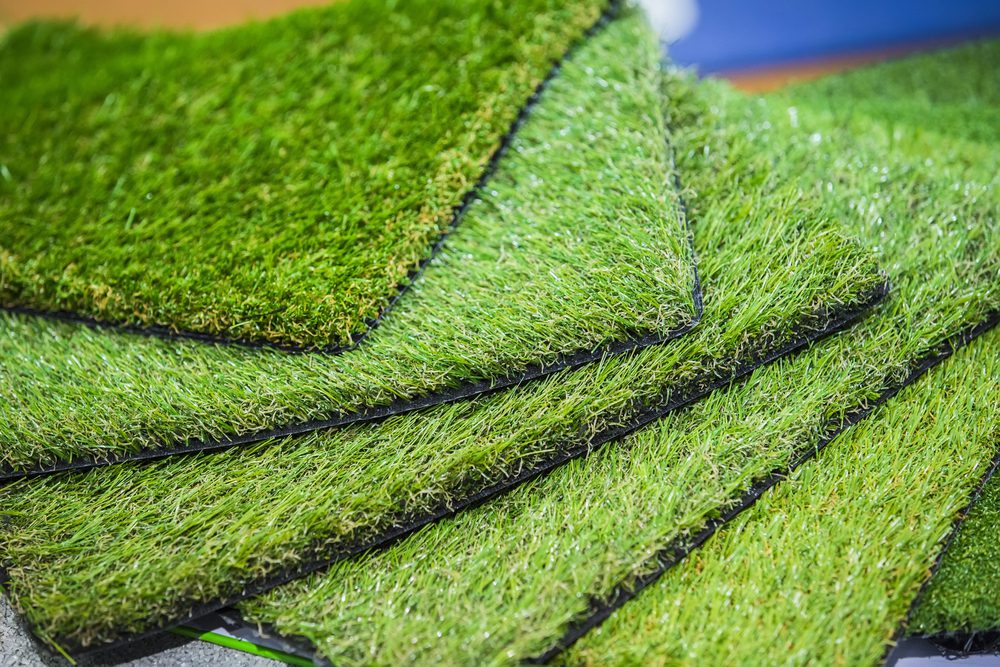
x,y
823,568
274,182
576,249
99,557
514,577
962,596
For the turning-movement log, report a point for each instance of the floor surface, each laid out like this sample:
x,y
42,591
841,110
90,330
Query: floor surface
x,y
19,649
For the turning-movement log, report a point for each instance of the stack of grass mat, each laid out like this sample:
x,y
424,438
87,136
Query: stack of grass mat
x,y
454,332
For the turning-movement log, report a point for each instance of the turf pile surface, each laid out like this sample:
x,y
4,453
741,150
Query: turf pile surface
x,y
962,595
575,248
97,557
510,579
274,182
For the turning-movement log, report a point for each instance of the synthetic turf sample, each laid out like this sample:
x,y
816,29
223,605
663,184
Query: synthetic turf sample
x,y
578,249
822,570
274,182
964,594
506,581
160,543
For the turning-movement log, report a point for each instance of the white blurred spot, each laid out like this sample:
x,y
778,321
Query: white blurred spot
x,y
672,19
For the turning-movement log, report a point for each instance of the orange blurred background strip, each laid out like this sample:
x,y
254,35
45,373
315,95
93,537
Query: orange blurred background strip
x,y
197,14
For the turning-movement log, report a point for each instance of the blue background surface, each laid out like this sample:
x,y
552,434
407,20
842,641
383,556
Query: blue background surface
x,y
736,34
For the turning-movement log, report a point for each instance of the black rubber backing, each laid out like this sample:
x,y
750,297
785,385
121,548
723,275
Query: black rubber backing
x,y
944,649
317,558
458,213
601,609
958,642
232,622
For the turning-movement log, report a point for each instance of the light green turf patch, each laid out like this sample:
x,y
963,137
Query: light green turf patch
x,y
822,570
955,95
962,596
505,582
119,550
578,243
271,182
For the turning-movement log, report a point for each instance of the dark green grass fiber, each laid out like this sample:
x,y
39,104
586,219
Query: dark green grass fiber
x,y
274,182
96,557
823,569
505,582
964,594
576,245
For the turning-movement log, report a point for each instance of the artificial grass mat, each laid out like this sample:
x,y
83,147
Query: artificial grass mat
x,y
576,250
275,182
961,597
823,568
99,557
530,572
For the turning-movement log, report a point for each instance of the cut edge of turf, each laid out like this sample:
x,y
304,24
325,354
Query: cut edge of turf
x,y
973,640
673,554
611,11
320,559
